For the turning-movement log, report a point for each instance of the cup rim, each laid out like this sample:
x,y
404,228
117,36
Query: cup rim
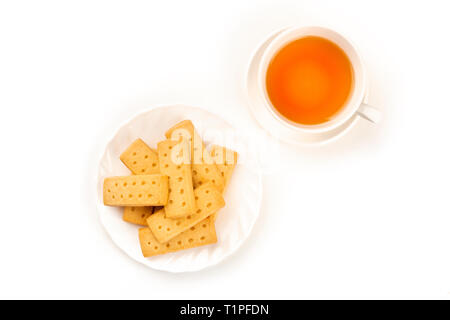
x,y
359,87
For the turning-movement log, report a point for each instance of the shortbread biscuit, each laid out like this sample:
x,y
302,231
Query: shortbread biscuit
x,y
209,201
225,160
203,233
203,167
136,190
174,161
137,215
140,158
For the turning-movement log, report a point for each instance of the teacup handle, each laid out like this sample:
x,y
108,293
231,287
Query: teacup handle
x,y
369,113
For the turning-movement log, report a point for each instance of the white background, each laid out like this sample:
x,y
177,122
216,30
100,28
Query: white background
x,y
365,217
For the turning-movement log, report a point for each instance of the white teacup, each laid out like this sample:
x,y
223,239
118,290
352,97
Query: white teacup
x,y
288,130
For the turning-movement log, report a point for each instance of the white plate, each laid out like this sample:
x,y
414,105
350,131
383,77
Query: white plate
x,y
243,195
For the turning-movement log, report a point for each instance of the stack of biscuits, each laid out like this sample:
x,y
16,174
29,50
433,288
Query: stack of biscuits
x,y
174,191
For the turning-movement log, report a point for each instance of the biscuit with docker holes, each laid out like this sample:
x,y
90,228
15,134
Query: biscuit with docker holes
x,y
203,233
209,201
203,167
137,215
174,161
226,160
140,158
136,190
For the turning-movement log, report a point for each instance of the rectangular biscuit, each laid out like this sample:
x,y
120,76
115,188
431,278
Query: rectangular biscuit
x,y
140,158
209,201
226,160
174,161
136,190
137,215
203,167
203,233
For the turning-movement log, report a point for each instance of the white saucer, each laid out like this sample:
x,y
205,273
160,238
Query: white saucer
x,y
243,196
272,125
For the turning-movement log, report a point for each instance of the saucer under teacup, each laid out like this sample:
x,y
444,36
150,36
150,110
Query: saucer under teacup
x,y
273,125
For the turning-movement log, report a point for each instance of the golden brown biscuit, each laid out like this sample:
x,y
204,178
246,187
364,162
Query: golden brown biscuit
x,y
136,190
203,233
140,158
203,167
174,162
137,215
226,161
209,200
